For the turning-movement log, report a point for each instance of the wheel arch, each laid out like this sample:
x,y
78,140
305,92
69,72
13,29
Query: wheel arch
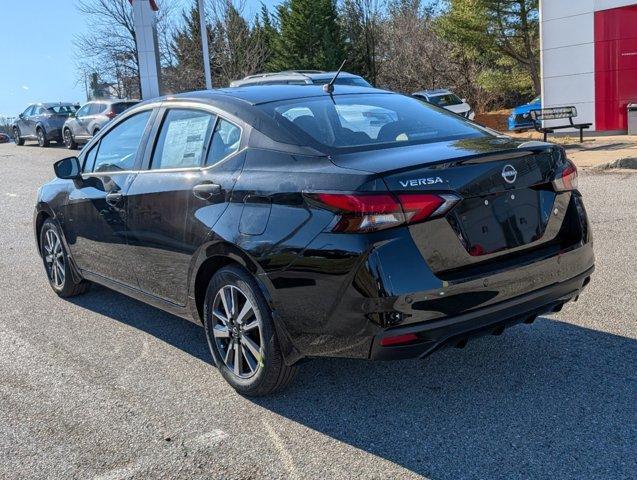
x,y
216,256
210,260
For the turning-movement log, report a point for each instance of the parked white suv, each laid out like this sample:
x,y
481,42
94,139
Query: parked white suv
x,y
446,99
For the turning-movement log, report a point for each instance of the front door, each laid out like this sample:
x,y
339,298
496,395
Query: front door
x,y
97,206
81,121
173,204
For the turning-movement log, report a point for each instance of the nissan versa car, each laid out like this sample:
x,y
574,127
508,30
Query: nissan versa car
x,y
292,223
90,119
42,122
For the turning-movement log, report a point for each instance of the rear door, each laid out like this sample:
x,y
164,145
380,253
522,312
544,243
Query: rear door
x,y
97,223
179,196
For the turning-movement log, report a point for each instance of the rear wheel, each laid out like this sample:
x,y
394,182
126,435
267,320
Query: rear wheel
x,y
42,140
69,141
56,263
241,335
16,137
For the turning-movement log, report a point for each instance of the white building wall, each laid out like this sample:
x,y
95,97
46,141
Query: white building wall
x,y
567,53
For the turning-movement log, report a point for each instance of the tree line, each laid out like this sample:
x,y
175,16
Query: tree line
x,y
485,50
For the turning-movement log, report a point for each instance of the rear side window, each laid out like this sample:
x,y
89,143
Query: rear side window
x,y
120,107
225,141
96,108
182,139
118,148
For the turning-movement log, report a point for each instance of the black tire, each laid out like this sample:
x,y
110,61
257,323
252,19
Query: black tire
x,y
271,374
42,140
69,141
67,287
16,137
96,131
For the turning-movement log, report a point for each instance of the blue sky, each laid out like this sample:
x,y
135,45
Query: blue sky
x,y
38,63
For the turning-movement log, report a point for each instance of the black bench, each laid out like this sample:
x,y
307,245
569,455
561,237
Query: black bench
x,y
557,113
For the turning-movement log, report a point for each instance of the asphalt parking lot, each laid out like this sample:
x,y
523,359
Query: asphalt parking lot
x,y
104,386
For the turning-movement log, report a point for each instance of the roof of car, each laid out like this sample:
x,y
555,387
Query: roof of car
x,y
55,104
256,95
437,91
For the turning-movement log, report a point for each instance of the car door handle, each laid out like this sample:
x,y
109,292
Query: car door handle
x,y
205,191
114,198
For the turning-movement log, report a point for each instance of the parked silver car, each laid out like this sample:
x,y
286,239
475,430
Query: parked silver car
x,y
42,122
90,119
448,100
301,77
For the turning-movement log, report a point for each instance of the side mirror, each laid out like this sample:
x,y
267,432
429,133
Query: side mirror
x,y
21,116
68,168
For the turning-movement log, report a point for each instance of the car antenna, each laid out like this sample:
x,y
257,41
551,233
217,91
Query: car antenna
x,y
329,87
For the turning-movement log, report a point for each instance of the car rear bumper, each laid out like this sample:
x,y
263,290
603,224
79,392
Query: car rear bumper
x,y
491,319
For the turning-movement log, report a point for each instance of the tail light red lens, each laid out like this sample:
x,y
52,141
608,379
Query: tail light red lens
x,y
110,114
566,178
365,212
398,339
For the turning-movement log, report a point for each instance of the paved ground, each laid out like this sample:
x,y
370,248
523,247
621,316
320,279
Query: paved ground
x,y
106,387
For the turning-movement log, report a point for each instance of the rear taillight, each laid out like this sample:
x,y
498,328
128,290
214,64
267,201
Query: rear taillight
x,y
366,212
110,114
566,178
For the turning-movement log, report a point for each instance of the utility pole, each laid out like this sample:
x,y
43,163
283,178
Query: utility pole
x,y
204,45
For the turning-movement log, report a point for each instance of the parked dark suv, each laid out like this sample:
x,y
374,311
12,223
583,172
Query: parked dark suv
x,y
296,223
42,122
90,119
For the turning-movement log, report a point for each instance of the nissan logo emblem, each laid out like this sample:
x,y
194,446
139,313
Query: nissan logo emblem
x,y
509,173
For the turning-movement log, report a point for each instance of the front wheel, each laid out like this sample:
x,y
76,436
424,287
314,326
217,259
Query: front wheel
x,y
56,263
69,141
241,335
16,137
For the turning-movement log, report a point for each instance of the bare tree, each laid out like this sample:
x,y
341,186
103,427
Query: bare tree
x,y
109,47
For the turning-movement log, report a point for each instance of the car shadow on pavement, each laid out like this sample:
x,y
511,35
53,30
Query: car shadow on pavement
x,y
551,401
171,329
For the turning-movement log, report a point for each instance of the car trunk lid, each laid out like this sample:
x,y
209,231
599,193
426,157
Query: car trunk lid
x,y
507,202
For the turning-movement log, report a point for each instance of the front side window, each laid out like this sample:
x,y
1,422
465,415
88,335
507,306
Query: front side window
x,y
118,148
28,111
182,139
84,110
225,141
368,121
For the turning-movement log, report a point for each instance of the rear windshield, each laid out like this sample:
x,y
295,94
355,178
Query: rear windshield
x,y
62,109
120,107
445,100
369,121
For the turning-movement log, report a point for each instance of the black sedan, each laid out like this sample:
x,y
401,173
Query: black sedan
x,y
295,223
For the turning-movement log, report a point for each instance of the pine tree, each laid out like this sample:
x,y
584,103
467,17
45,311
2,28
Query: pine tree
x,y
188,72
309,36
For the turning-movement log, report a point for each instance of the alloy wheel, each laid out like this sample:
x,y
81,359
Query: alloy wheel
x,y
40,137
67,138
54,258
237,331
